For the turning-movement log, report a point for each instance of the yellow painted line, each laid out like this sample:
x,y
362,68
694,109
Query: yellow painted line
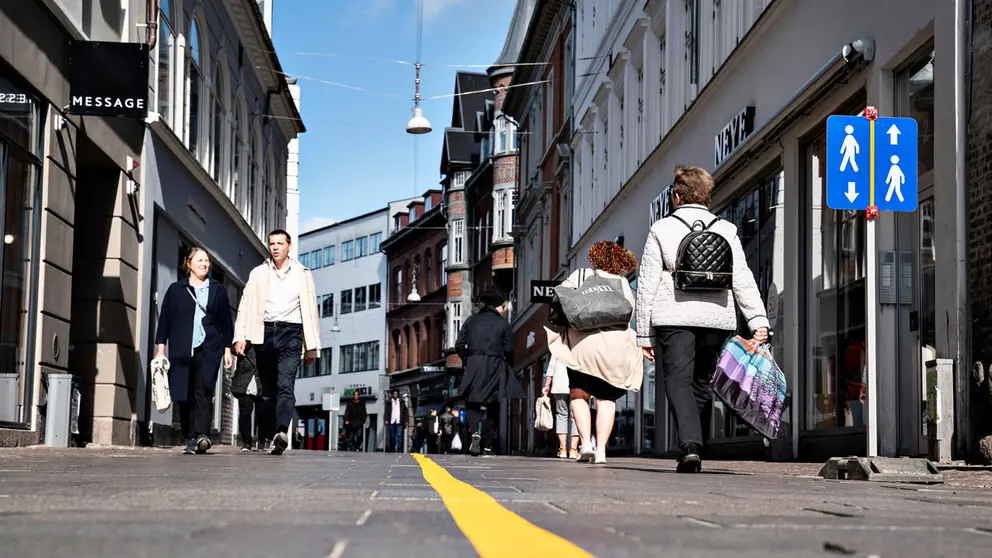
x,y
871,163
493,530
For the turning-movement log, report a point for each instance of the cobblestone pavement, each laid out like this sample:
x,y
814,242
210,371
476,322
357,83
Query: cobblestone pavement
x,y
151,502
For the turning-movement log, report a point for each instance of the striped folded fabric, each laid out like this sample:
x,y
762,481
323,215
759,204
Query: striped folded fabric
x,y
748,380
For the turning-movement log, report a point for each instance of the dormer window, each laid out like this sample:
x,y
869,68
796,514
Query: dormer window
x,y
413,214
427,204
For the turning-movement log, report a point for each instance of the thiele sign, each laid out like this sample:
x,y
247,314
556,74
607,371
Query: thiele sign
x,y
108,79
733,135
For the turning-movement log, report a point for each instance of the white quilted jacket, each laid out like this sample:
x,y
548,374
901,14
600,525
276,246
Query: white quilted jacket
x,y
659,304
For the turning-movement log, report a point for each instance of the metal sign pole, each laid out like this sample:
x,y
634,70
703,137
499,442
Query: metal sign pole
x,y
871,298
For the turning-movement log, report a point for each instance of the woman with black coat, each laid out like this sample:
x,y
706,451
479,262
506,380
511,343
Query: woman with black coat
x,y
195,321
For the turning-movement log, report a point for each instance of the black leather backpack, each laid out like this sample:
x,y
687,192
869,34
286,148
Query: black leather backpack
x,y
705,260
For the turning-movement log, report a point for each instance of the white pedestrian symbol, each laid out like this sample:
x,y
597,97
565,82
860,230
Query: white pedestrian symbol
x,y
895,179
849,149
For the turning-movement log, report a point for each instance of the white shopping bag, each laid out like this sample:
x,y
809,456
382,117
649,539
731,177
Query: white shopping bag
x,y
456,443
544,418
160,384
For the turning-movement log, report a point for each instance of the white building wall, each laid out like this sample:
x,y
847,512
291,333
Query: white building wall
x,y
355,327
293,179
776,61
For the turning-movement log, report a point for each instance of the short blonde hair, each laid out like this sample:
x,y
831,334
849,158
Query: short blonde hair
x,y
192,254
693,185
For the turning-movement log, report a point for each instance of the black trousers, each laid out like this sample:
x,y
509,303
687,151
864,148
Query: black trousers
x,y
278,361
481,417
688,357
444,443
196,412
246,404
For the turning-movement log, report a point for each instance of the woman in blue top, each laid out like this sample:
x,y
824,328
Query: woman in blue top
x,y
195,321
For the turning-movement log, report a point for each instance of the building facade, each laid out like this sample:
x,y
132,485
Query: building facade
x,y
743,90
541,235
416,325
215,162
349,273
68,301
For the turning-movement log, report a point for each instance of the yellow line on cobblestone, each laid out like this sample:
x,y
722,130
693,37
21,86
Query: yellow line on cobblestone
x,y
492,529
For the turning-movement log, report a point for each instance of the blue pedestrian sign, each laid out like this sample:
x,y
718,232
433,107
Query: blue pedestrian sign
x,y
872,163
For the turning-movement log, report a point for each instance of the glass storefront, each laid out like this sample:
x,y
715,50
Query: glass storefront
x,y
757,216
835,388
20,175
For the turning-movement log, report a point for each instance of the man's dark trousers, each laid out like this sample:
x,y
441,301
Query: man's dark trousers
x,y
278,363
396,437
484,414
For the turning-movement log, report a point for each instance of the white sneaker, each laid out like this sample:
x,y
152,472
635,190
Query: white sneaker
x,y
585,455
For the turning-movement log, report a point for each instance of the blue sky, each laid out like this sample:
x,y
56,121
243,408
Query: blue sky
x,y
356,155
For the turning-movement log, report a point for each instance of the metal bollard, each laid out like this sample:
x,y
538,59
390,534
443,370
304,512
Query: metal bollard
x,y
59,410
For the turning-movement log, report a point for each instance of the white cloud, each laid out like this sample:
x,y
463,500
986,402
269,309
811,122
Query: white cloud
x,y
434,7
314,223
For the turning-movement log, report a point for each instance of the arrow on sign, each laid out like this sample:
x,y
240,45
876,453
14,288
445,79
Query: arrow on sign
x,y
893,135
851,193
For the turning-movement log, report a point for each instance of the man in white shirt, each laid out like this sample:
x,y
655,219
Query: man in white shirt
x,y
396,420
278,316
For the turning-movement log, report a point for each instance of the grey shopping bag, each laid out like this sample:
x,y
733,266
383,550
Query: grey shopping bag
x,y
597,303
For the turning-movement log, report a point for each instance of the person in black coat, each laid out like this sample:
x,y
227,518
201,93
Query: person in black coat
x,y
355,414
485,345
448,426
195,321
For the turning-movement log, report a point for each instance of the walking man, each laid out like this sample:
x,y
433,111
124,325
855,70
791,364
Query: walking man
x,y
355,414
485,345
396,419
278,316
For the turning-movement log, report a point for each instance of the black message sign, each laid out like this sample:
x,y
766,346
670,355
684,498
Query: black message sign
x,y
108,79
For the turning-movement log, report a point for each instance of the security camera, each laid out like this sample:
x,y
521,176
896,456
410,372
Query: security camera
x,y
864,47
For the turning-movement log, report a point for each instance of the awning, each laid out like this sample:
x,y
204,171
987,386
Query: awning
x,y
425,409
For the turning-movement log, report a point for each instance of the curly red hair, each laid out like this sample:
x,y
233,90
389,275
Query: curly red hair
x,y
612,258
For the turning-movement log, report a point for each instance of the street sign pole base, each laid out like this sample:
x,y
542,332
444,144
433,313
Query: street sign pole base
x,y
882,469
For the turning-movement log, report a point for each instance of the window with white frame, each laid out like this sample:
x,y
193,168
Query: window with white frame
x,y
195,82
459,180
458,242
692,42
237,153
499,226
253,178
166,58
218,94
549,110
454,322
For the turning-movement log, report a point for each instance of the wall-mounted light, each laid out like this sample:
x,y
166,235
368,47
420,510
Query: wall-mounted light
x,y
8,239
336,328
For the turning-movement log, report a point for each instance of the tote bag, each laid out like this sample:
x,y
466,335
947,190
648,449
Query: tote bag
x,y
160,384
597,303
748,380
544,419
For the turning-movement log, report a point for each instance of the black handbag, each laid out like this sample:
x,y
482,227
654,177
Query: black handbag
x,y
245,370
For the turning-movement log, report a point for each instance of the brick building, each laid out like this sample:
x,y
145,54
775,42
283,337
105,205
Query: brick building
x,y
543,111
979,165
415,317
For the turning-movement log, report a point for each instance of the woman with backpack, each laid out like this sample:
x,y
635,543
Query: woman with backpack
x,y
693,278
602,362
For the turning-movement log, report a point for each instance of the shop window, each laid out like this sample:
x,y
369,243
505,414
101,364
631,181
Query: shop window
x,y
20,173
359,357
757,215
834,395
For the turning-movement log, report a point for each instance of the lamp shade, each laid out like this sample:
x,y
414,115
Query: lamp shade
x,y
418,124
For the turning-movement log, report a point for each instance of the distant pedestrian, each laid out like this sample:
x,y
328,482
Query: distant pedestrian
x,y
432,427
686,326
396,421
278,316
246,388
195,322
355,414
449,427
556,385
602,363
485,345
